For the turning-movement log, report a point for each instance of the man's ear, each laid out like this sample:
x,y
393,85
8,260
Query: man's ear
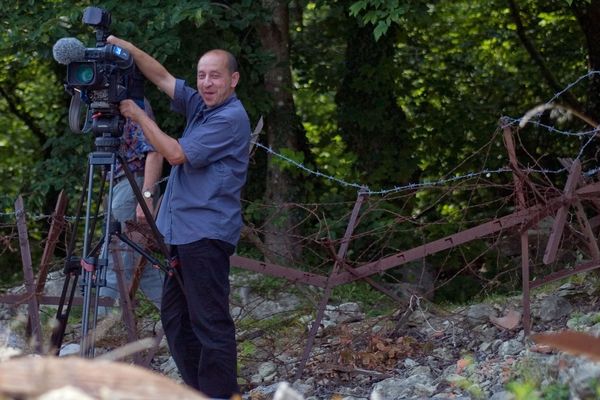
x,y
235,78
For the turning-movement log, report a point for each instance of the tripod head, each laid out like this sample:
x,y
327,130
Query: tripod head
x,y
107,143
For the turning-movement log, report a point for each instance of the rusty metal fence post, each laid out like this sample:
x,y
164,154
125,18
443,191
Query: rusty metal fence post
x,y
32,302
337,265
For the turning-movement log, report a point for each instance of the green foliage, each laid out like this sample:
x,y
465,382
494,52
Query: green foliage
x,y
459,289
530,391
556,391
330,152
40,156
523,390
246,350
296,157
382,14
532,380
570,2
388,93
467,385
144,308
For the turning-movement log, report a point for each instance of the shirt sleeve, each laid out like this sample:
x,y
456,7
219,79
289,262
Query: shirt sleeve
x,y
135,135
137,139
210,142
185,100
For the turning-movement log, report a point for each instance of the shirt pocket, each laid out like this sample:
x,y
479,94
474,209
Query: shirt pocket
x,y
221,168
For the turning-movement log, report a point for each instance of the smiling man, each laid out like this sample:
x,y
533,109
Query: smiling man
x,y
200,215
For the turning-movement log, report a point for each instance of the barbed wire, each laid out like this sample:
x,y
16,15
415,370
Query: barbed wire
x,y
509,121
571,85
516,121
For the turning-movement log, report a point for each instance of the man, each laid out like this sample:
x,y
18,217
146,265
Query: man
x,y
146,166
200,214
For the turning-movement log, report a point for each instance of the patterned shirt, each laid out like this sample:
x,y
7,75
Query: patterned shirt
x,y
134,145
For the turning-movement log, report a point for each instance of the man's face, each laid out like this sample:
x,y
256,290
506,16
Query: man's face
x,y
215,82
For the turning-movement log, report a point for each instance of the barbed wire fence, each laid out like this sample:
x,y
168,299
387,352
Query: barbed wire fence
x,y
389,223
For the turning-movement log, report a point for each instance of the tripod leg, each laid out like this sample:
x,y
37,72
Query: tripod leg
x,y
92,266
71,271
88,266
147,213
150,220
94,269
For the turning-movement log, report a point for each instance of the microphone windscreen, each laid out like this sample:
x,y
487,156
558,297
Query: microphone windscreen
x,y
67,50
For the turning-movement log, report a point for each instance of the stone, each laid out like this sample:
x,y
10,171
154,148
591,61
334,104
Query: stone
x,y
503,395
70,349
478,314
511,348
263,309
421,370
302,387
390,389
169,369
265,392
8,338
485,346
485,332
584,374
286,392
346,312
267,368
410,363
553,307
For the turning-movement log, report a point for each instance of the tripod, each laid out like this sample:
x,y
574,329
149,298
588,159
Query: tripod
x,y
94,262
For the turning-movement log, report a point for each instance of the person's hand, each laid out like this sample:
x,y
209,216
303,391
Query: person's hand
x,y
130,109
116,41
139,213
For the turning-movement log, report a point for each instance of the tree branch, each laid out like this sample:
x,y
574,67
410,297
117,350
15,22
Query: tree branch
x,y
539,61
13,103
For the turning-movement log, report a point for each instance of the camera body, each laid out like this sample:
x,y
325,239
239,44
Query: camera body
x,y
101,77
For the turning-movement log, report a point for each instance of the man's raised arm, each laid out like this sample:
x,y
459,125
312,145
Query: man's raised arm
x,y
148,65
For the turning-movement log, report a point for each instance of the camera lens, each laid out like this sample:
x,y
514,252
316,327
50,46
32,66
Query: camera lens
x,y
85,73
82,73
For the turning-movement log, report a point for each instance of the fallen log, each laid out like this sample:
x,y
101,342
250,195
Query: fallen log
x,y
31,377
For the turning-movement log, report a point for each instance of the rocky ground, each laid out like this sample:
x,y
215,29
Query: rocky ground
x,y
420,351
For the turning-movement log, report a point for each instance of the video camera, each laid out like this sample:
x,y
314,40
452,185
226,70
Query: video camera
x,y
100,77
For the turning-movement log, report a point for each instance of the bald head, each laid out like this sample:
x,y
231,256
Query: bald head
x,y
232,64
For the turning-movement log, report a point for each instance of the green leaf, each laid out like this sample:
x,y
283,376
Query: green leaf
x,y
357,7
380,29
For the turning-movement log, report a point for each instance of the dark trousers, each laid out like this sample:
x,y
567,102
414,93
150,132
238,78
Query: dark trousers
x,y
197,323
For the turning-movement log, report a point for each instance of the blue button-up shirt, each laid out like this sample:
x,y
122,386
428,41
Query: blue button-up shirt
x,y
202,198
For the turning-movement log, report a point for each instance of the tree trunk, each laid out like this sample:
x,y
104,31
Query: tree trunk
x,y
283,130
588,15
370,120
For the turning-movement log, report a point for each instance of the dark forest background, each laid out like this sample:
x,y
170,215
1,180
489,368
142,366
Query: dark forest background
x,y
385,94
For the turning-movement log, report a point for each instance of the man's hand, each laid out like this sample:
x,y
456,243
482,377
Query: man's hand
x,y
130,109
118,42
148,65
